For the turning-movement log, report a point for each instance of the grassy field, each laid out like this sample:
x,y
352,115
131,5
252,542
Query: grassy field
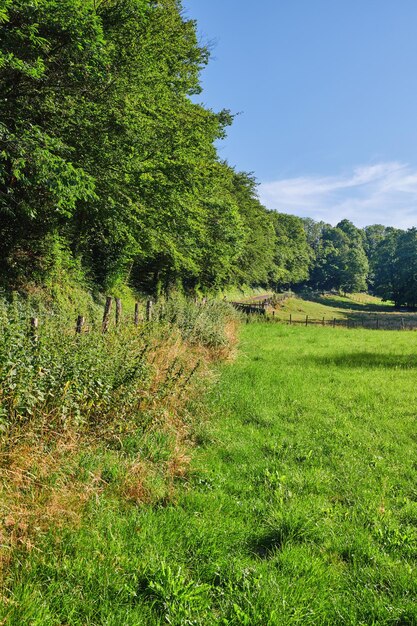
x,y
330,307
300,506
358,308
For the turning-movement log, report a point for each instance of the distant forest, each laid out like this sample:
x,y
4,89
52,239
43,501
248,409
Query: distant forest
x,y
109,167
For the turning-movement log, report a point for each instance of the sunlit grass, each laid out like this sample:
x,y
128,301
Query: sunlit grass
x,y
300,506
360,309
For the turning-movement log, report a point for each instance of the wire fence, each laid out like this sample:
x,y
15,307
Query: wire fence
x,y
371,323
263,310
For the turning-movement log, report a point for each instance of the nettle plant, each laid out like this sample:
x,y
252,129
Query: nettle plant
x,y
58,375
52,373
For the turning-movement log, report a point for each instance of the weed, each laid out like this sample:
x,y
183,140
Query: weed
x,y
181,602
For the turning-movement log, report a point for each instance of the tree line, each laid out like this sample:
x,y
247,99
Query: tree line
x,y
378,259
109,166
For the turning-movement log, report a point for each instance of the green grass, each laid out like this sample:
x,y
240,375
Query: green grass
x,y
243,293
298,308
358,308
300,507
356,301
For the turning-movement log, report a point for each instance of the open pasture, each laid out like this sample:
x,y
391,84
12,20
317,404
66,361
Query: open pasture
x,y
354,310
300,507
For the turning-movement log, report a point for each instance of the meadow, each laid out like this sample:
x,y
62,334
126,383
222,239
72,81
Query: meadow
x,y
355,310
299,506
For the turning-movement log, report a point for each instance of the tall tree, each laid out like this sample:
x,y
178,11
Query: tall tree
x,y
384,266
374,235
354,266
405,266
258,240
51,55
292,252
340,260
101,145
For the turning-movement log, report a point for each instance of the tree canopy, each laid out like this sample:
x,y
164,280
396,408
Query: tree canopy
x,y
108,159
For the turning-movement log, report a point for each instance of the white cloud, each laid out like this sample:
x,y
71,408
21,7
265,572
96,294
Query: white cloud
x,y
383,193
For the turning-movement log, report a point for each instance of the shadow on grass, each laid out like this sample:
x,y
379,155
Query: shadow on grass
x,y
369,360
257,420
290,530
350,304
265,546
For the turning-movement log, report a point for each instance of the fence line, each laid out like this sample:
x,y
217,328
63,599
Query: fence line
x,y
259,309
144,311
378,323
250,309
365,320
80,321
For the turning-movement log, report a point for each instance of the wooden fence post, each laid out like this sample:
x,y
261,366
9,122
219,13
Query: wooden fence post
x,y
306,320
34,325
136,318
118,310
106,316
334,322
323,321
290,319
149,305
80,324
402,323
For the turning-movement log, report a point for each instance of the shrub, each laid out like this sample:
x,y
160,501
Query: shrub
x,y
203,323
59,375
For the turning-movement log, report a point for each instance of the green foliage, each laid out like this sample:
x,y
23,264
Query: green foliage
x,y
405,269
373,236
394,263
340,261
57,375
256,256
292,253
203,323
348,259
101,144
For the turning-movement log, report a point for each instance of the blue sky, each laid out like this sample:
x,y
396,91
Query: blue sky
x,y
326,92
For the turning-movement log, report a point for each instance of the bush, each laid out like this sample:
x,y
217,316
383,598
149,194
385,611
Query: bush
x,y
58,375
203,322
